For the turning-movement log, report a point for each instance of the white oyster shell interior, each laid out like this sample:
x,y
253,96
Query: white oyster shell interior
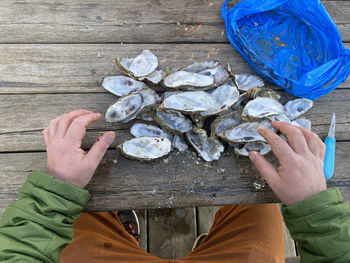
x,y
297,107
179,143
121,85
190,101
225,95
183,78
245,132
144,64
146,148
124,108
141,130
262,107
209,149
301,122
174,121
246,82
260,147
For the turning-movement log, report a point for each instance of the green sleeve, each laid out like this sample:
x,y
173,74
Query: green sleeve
x,y
321,226
39,225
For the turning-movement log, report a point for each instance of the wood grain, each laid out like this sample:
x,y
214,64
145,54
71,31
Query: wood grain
x,y
109,21
78,69
180,180
171,232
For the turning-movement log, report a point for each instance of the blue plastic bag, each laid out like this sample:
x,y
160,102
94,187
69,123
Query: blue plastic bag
x,y
292,43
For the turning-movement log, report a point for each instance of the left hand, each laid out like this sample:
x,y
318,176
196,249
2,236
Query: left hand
x,y
65,159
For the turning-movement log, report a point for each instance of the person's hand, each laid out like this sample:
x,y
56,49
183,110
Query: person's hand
x,y
65,159
300,174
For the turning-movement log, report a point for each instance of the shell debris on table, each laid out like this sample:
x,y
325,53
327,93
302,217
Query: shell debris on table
x,y
205,106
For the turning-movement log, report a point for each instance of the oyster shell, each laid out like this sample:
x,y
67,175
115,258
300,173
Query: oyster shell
x,y
124,108
183,79
146,148
225,122
189,102
142,130
149,98
260,147
146,116
297,107
179,143
208,148
245,132
245,82
261,92
261,108
155,77
210,68
144,64
225,95
301,122
121,85
172,121
128,107
124,65
281,117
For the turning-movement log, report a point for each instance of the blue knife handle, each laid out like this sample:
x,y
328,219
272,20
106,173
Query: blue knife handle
x,y
329,158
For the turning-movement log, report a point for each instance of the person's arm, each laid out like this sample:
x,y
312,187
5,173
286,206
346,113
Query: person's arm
x,y
317,218
38,226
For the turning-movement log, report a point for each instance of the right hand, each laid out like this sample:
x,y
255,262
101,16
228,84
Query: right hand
x,y
300,174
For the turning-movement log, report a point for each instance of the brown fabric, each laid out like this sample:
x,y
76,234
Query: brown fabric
x,y
240,233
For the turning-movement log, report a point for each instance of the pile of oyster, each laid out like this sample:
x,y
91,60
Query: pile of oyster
x,y
203,105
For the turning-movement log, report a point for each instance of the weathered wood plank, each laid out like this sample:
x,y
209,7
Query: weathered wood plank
x,y
292,260
107,21
205,218
142,216
180,180
171,232
24,116
77,68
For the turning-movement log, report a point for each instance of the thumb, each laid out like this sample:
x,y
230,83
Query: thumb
x,y
98,150
267,171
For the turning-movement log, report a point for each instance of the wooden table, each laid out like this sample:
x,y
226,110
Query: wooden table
x,y
53,55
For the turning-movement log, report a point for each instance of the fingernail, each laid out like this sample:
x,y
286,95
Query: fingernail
x,y
261,128
110,137
252,156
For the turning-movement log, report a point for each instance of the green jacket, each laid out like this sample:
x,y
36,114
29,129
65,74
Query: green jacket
x,y
39,225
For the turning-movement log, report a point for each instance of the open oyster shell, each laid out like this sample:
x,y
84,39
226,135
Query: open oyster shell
x,y
281,117
245,82
225,122
189,102
261,92
121,85
245,132
128,107
145,148
141,67
172,121
124,108
225,95
208,148
260,147
179,143
210,68
142,130
301,122
261,108
182,79
295,108
144,64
